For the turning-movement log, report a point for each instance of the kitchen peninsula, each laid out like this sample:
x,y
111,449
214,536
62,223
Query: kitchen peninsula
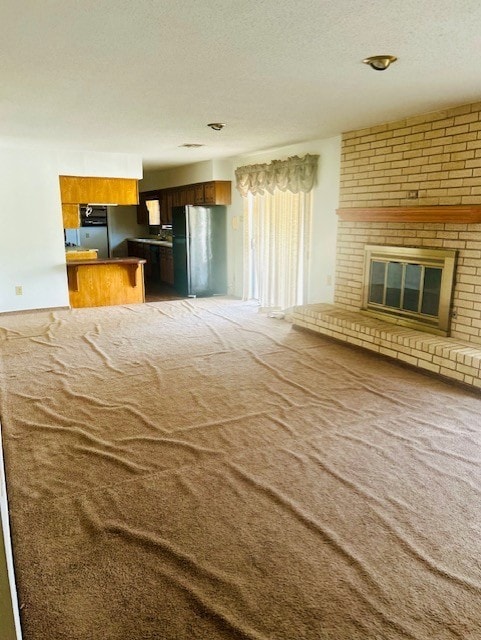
x,y
97,283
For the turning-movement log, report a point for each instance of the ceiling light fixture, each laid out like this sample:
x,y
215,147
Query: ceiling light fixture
x,y
216,126
379,63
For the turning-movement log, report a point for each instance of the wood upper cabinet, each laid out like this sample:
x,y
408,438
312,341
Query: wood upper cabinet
x,y
202,193
142,213
149,209
71,216
209,193
189,194
199,193
164,208
169,203
82,190
216,192
177,197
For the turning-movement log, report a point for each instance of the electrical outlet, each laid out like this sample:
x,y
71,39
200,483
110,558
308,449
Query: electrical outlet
x,y
19,290
413,195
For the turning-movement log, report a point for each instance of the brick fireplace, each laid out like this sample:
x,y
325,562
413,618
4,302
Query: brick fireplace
x,y
414,183
410,286
463,236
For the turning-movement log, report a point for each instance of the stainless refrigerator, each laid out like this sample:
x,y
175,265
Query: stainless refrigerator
x,y
199,250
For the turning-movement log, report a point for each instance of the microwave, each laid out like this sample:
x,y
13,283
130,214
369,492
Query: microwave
x,y
93,215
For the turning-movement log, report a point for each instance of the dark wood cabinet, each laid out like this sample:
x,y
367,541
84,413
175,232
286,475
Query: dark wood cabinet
x,y
201,193
142,213
133,249
210,193
166,265
217,192
169,203
159,265
149,209
140,250
189,194
176,197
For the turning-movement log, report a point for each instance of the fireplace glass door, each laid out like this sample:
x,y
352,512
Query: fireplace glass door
x,y
408,287
411,286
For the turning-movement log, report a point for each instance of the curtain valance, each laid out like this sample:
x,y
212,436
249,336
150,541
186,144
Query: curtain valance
x,y
294,174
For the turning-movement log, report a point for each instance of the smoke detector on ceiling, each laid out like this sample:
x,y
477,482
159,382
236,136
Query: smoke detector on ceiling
x,y
379,63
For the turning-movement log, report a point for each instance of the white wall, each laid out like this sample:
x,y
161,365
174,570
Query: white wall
x,y
122,225
325,202
178,176
31,230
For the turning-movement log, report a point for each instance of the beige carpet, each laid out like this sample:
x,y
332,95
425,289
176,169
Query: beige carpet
x,y
195,470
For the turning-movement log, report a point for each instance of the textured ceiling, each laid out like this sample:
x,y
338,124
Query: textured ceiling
x,y
147,76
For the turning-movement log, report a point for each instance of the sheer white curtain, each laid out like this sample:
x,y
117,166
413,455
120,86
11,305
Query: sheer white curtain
x,y
276,245
277,225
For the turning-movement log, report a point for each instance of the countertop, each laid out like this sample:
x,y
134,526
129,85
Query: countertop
x,y
99,261
79,253
161,243
76,248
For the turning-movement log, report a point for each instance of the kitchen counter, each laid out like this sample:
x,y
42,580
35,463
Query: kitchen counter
x,y
79,253
99,261
161,243
102,282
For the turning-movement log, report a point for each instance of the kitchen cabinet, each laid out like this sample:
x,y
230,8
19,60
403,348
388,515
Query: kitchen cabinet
x,y
166,265
153,258
142,212
201,193
132,249
188,195
210,193
169,203
71,216
164,208
214,192
149,209
159,265
96,283
83,190
140,250
176,197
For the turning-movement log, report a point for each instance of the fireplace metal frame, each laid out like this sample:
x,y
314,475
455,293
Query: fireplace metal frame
x,y
438,258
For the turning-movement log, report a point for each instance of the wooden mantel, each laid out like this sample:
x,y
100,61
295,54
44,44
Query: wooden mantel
x,y
457,214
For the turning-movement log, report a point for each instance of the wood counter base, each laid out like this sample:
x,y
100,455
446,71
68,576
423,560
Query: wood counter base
x,y
98,283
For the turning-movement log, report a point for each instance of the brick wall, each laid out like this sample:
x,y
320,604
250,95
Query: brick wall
x,y
439,156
